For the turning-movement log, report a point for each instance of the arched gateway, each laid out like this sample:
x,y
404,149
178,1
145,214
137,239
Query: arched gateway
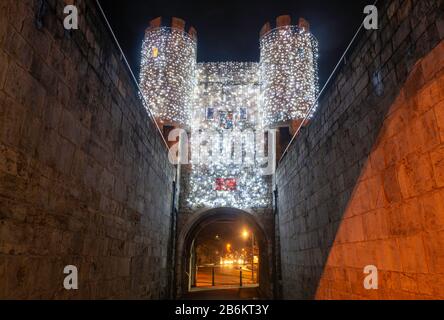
x,y
258,222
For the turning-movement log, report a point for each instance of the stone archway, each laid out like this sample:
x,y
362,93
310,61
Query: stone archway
x,y
201,219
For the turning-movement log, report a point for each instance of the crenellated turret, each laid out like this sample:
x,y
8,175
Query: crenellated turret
x,y
167,75
288,71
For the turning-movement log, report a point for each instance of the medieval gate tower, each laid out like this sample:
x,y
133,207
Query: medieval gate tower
x,y
232,112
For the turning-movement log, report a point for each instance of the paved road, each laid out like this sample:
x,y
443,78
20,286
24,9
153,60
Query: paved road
x,y
224,276
224,294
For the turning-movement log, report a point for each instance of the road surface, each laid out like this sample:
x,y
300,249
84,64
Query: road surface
x,y
224,276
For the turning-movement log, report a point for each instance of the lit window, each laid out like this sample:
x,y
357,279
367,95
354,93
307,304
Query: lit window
x,y
155,52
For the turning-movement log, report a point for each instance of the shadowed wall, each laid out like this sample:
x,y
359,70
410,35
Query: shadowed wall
x,y
84,174
363,183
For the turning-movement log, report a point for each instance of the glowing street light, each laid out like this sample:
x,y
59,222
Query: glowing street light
x,y
246,235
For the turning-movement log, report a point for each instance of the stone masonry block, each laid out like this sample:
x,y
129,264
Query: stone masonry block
x,y
12,120
3,68
283,21
24,88
437,157
415,175
413,256
433,210
433,63
391,185
439,114
434,242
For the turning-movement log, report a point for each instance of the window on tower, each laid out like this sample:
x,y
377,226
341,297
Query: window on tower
x,y
155,52
209,113
243,114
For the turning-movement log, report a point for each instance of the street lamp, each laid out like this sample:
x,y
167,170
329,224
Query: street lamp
x,y
245,235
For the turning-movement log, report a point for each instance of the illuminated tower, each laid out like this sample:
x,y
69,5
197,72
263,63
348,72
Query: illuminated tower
x,y
288,72
167,75
228,107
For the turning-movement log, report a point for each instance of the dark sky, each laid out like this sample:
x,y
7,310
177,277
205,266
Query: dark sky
x,y
229,30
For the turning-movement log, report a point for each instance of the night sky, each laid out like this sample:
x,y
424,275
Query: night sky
x,y
229,30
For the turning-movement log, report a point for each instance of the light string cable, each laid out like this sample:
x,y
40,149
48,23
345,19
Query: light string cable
x,y
150,113
307,115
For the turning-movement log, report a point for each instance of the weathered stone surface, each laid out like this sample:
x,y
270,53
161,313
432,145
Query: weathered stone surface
x,y
77,150
377,198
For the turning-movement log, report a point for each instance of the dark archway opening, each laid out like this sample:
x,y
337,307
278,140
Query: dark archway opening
x,y
225,248
227,254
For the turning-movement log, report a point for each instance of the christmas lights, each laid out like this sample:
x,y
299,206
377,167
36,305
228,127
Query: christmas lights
x,y
288,73
227,138
167,75
228,106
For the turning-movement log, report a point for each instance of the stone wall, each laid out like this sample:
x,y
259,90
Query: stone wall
x,y
363,183
84,174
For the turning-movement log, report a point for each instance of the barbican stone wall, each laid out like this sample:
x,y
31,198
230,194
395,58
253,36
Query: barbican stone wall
x,y
84,174
363,183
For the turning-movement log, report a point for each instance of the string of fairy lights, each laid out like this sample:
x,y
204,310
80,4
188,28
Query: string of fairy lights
x,y
227,108
167,73
288,74
226,136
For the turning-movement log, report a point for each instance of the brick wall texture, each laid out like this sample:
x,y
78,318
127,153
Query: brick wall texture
x,y
84,174
364,183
